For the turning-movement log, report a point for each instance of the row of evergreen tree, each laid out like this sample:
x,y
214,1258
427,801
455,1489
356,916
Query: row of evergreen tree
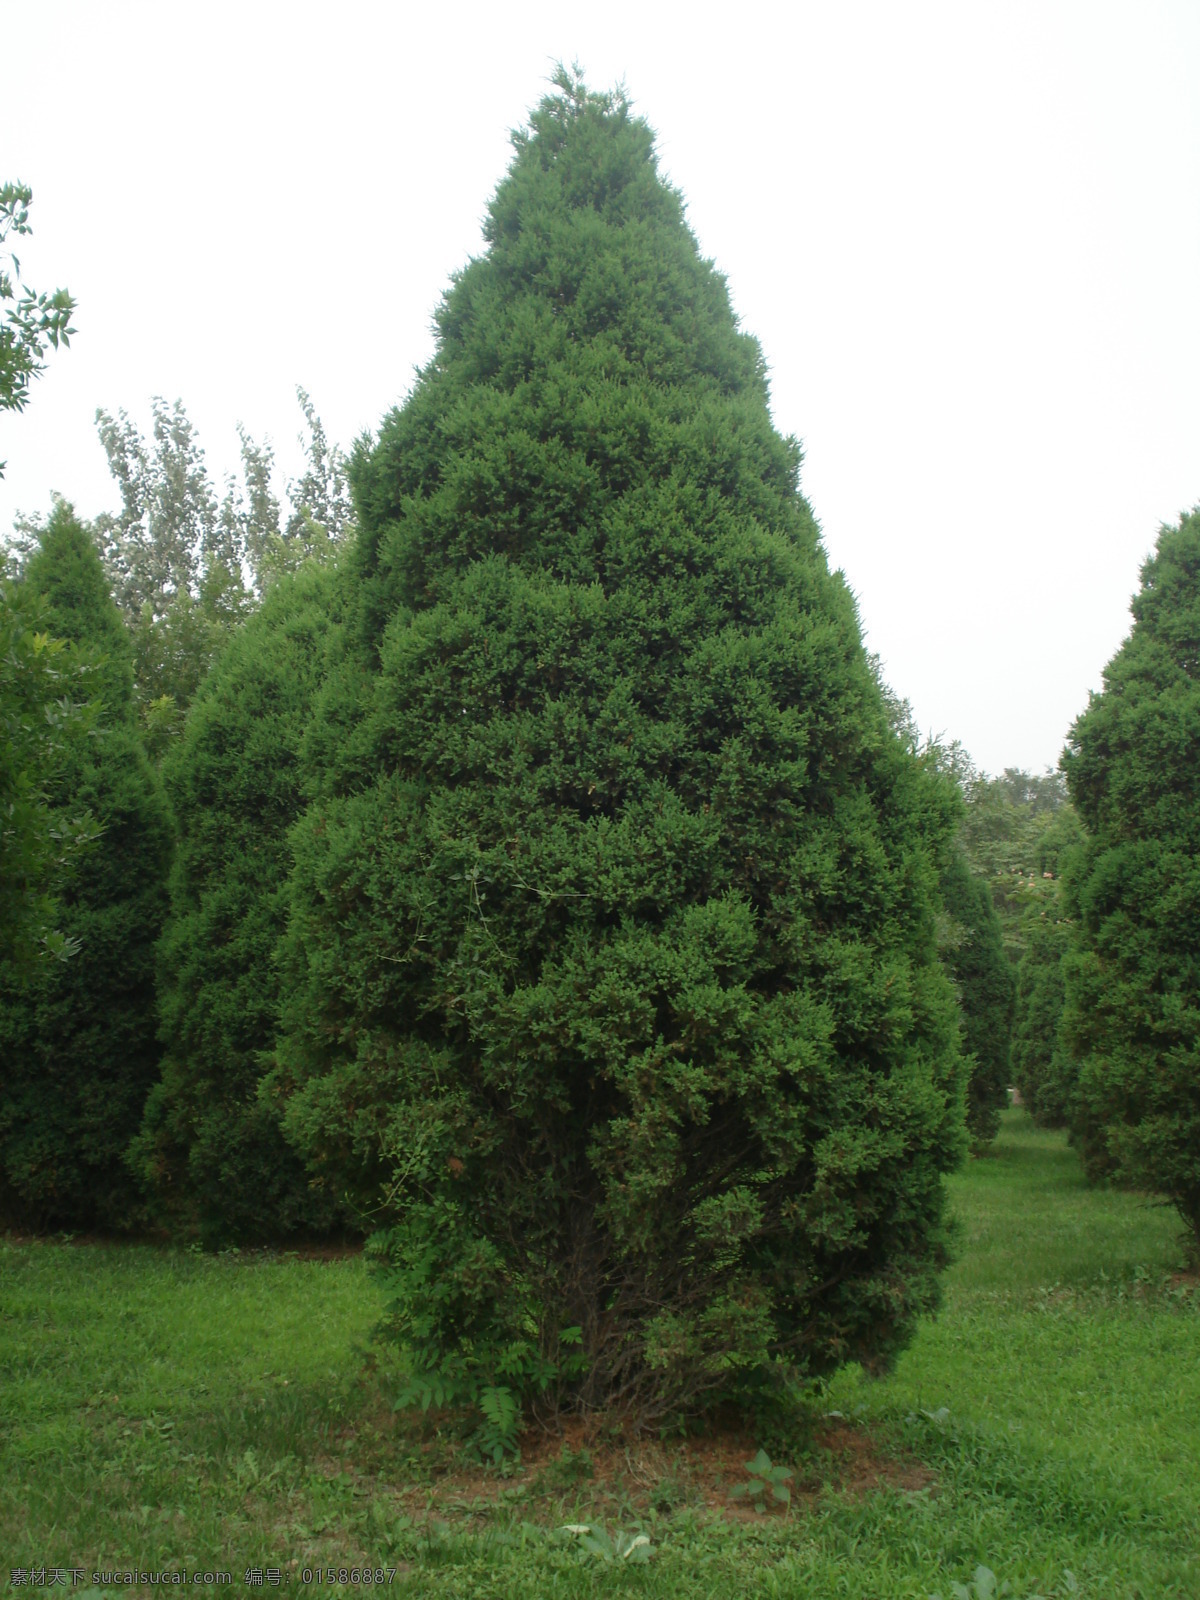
x,y
1110,984
548,885
164,1017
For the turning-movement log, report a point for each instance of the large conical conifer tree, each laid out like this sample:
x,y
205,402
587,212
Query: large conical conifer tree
x,y
613,933
78,1038
1131,1016
210,1146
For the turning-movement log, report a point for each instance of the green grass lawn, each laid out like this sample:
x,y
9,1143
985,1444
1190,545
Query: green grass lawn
x,y
162,1410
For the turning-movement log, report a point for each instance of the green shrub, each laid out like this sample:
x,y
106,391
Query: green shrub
x,y
210,1145
1131,1019
612,945
77,1037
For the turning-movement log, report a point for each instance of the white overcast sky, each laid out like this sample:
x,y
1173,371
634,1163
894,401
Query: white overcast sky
x,y
966,234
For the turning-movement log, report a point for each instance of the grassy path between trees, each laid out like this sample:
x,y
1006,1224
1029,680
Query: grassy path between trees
x,y
162,1410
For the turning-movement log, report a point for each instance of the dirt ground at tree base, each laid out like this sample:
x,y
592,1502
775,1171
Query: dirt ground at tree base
x,y
578,1465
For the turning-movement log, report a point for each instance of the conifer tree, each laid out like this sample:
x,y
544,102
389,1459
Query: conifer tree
x,y
210,1147
972,937
1041,1071
1131,1018
612,943
77,1037
43,712
983,975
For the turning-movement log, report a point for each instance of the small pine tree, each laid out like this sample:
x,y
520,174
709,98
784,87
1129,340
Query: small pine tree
x,y
210,1146
613,929
1131,1019
77,1037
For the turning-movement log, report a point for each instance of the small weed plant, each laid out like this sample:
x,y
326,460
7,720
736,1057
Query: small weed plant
x,y
570,1469
766,1482
597,1542
985,1586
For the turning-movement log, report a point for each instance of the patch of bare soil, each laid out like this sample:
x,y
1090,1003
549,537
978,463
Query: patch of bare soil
x,y
863,1469
589,1465
320,1252
106,1241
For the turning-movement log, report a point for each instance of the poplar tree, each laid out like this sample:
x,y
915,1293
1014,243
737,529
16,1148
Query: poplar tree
x,y
78,1036
188,566
612,978
1131,1018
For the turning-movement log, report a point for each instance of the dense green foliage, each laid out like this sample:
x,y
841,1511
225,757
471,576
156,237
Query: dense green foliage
x,y
983,976
41,719
1017,831
77,1037
971,941
1132,1015
210,1146
613,939
1041,1068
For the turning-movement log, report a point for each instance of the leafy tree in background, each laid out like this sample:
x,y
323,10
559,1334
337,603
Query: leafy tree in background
x,y
613,925
174,558
321,515
30,321
1012,827
1132,1016
1041,1069
77,1038
210,1146
1018,830
187,568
